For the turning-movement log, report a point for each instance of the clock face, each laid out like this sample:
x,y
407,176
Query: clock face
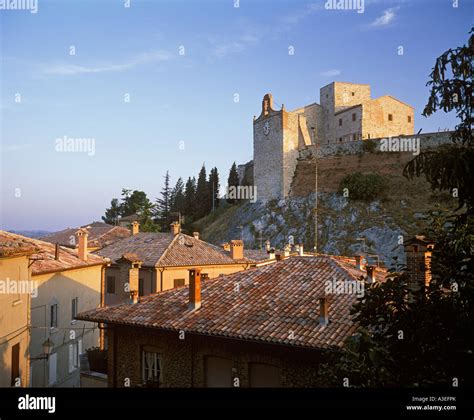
x,y
266,128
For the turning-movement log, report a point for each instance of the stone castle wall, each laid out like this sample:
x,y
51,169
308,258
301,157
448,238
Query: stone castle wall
x,y
337,160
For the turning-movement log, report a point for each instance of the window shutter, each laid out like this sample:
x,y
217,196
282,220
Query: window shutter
x,y
79,348
52,368
71,358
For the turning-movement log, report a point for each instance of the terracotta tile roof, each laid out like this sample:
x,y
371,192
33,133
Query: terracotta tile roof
x,y
271,302
15,245
166,250
188,251
100,235
148,247
44,253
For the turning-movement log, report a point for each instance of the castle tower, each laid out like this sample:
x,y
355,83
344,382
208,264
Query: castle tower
x,y
276,138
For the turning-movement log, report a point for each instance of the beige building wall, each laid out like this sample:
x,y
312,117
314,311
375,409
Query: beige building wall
x,y
14,322
348,124
376,122
60,288
162,278
182,273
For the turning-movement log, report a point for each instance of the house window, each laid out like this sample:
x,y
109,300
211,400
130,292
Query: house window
x,y
353,93
15,364
390,117
151,368
75,350
53,316
409,118
204,276
74,306
140,287
340,122
353,117
110,284
340,139
178,282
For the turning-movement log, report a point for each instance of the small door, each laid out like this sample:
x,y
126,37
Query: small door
x,y
53,361
218,372
264,376
15,364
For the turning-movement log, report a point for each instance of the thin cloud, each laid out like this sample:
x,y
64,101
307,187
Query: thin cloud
x,y
73,69
254,33
331,73
386,19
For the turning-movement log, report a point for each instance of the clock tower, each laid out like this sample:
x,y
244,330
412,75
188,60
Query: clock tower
x,y
275,150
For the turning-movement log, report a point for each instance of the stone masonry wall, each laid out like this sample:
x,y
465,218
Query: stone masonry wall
x,y
183,361
337,160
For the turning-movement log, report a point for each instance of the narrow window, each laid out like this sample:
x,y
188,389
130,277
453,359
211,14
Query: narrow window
x,y
390,117
340,122
110,284
140,287
53,318
178,282
353,93
353,117
74,306
409,118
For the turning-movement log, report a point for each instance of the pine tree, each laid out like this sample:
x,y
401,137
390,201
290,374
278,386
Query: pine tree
x,y
232,182
177,204
202,194
113,213
163,205
214,189
189,198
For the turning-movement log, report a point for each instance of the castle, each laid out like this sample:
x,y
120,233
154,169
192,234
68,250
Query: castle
x,y
346,113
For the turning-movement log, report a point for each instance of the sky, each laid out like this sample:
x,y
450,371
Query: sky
x,y
170,85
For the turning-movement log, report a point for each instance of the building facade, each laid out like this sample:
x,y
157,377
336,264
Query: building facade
x,y
263,327
67,281
346,113
15,289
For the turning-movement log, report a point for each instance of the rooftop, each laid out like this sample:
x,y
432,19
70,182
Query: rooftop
x,y
261,304
166,250
100,235
44,254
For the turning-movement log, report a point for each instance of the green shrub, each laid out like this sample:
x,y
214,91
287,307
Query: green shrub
x,y
363,187
369,146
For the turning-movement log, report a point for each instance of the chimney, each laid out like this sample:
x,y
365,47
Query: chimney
x,y
418,251
196,235
226,246
271,254
135,228
175,228
56,252
237,249
194,289
301,250
82,239
359,264
370,273
134,281
323,311
133,296
267,246
280,256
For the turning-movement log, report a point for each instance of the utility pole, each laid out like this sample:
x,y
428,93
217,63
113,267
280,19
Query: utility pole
x,y
313,130
213,195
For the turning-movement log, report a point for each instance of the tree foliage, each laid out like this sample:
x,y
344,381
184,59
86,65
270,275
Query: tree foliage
x,y
451,167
